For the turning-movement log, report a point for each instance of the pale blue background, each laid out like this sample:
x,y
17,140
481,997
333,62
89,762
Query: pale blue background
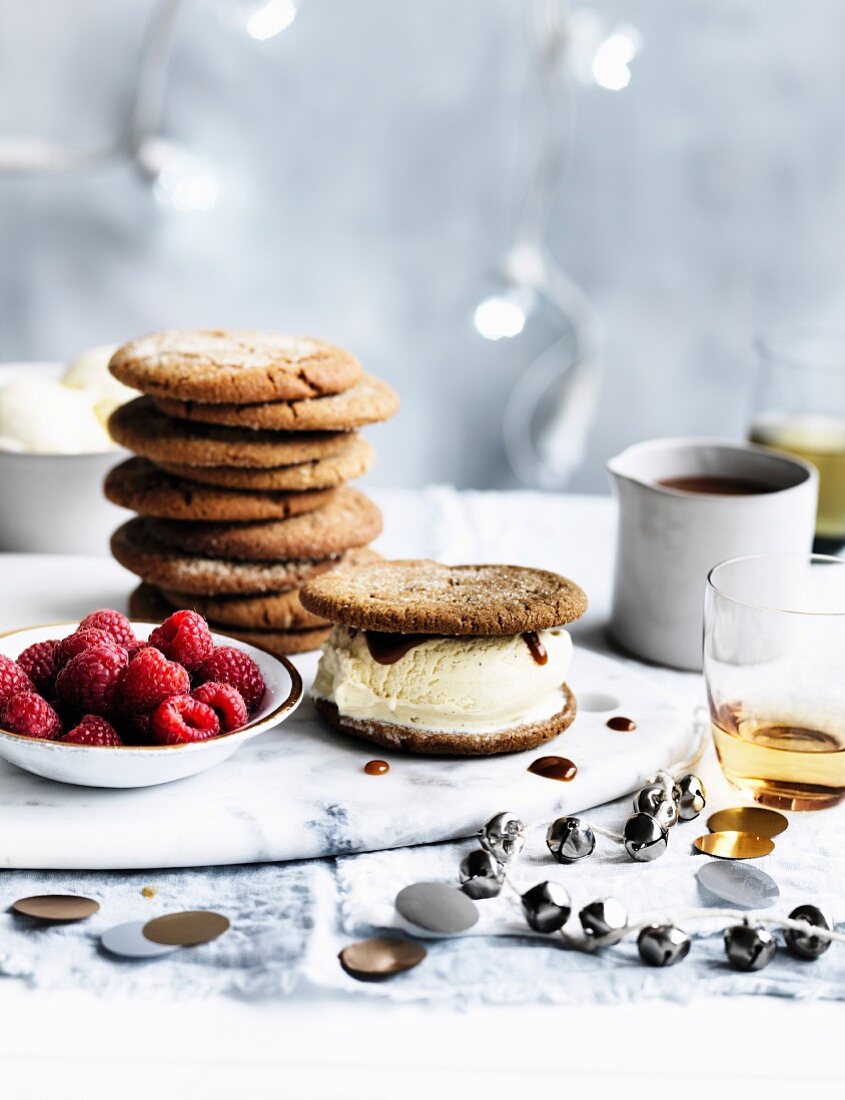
x,y
367,164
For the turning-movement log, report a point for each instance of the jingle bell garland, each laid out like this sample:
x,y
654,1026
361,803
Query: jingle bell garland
x,y
658,807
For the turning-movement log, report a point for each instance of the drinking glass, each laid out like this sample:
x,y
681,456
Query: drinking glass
x,y
799,407
774,664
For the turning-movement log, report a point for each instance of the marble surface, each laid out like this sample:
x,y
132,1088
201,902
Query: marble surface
x,y
299,791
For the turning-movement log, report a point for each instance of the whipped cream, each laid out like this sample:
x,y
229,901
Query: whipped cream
x,y
38,416
455,685
41,416
90,373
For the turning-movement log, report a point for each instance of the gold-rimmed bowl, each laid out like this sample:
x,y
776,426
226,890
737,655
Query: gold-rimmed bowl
x,y
145,765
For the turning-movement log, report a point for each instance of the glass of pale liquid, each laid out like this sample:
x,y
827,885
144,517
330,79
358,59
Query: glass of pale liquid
x,y
799,407
774,664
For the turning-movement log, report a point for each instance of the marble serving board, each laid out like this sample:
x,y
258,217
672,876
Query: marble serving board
x,y
300,790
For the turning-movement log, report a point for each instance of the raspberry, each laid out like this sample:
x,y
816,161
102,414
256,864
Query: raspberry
x,y
134,647
226,702
181,719
12,679
113,623
184,637
150,679
137,729
228,665
74,644
38,663
93,730
29,714
90,682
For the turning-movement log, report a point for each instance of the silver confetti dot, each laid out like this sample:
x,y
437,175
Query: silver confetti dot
x,y
739,884
129,941
437,908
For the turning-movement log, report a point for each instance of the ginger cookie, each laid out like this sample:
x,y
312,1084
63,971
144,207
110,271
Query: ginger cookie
x,y
147,603
140,427
136,550
349,519
367,402
353,460
284,642
142,487
272,611
239,365
426,597
428,742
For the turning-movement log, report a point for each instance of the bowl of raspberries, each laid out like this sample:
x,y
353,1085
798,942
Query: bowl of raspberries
x,y
109,702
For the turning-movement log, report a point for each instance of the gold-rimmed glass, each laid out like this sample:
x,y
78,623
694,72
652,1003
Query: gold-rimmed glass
x,y
774,664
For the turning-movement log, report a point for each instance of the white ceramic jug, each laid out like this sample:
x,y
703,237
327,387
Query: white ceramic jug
x,y
668,540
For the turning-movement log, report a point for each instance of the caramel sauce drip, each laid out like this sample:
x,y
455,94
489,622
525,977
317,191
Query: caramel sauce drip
x,y
387,649
538,650
554,767
377,767
622,724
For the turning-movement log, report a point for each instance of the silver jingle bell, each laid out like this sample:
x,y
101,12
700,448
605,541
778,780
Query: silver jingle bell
x,y
603,916
546,907
569,839
693,797
804,945
645,838
654,800
749,947
663,945
481,875
503,836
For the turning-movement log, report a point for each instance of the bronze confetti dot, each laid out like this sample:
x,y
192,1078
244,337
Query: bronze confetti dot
x,y
734,845
186,929
748,819
381,957
56,907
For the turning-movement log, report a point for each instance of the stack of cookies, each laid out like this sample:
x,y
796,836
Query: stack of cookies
x,y
244,444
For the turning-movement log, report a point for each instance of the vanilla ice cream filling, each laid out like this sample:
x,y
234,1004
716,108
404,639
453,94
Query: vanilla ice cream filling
x,y
449,685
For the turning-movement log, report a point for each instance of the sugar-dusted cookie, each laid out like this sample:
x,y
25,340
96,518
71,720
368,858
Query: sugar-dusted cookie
x,y
353,460
215,365
146,603
367,402
403,738
272,611
426,597
140,427
142,487
136,550
349,519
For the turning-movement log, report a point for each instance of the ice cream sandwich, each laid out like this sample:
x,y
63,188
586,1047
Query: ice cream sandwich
x,y
462,660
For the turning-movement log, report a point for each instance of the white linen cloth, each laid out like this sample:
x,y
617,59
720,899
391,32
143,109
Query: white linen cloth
x,y
290,920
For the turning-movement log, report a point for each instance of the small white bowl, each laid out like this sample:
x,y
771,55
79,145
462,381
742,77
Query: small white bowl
x,y
145,765
55,502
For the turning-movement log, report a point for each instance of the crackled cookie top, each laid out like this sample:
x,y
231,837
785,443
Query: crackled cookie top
x,y
426,597
234,366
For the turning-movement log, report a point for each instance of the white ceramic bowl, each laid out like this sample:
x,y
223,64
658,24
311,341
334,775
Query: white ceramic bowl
x,y
51,503
145,765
